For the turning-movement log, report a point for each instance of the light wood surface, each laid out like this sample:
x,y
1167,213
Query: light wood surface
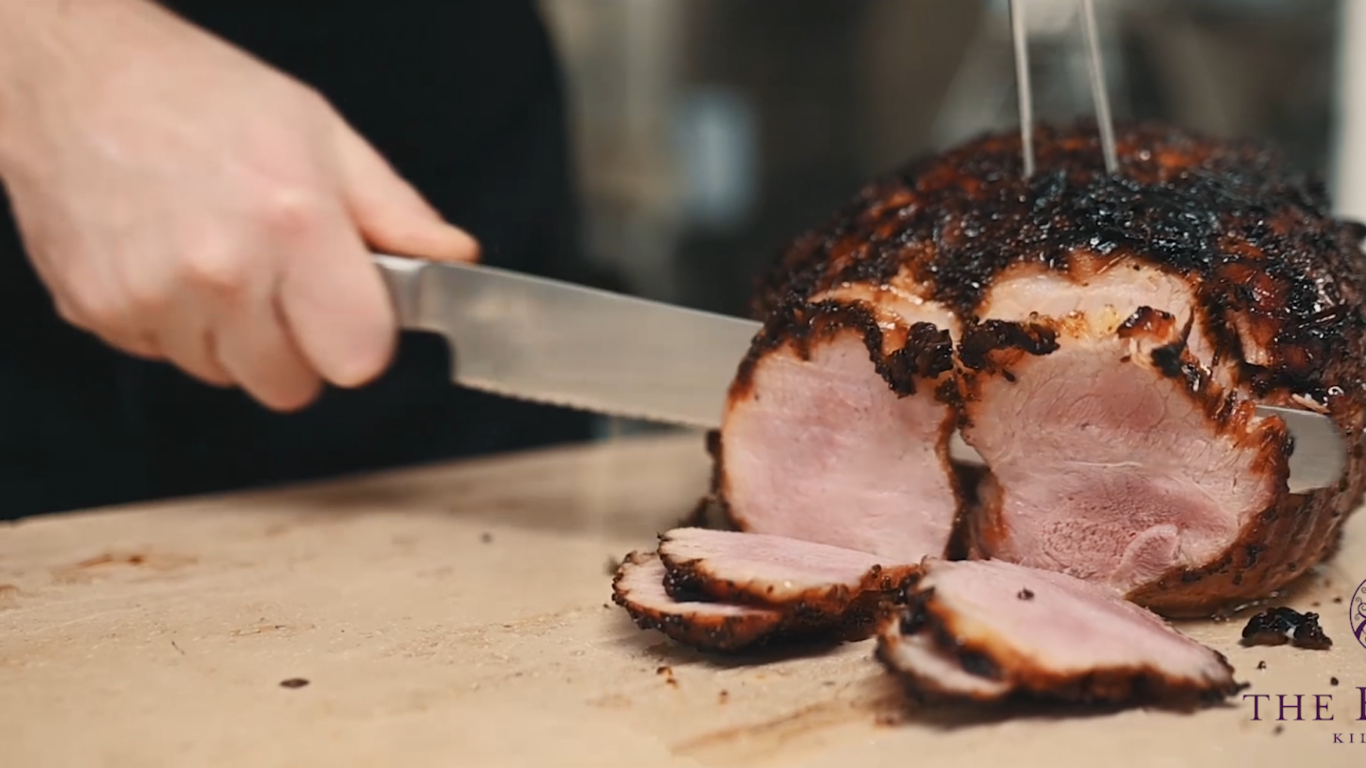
x,y
459,616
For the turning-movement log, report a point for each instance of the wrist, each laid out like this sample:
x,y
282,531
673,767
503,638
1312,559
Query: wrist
x,y
53,51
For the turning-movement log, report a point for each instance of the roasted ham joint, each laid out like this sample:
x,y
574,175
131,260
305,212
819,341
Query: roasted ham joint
x,y
1102,341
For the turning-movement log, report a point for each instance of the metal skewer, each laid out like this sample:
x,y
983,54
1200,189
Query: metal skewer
x,y
1099,96
1023,93
1096,72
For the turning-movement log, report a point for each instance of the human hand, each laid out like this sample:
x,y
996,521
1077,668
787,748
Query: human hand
x,y
185,202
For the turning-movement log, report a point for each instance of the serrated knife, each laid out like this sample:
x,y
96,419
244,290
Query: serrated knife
x,y
562,344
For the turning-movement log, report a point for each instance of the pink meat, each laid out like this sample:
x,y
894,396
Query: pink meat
x,y
775,571
1114,455
639,588
988,629
837,428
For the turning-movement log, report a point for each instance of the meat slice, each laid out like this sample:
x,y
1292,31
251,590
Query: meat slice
x,y
710,626
821,583
838,423
727,591
989,630
1114,456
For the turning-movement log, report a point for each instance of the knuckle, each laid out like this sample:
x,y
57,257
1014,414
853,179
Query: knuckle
x,y
149,296
290,211
215,268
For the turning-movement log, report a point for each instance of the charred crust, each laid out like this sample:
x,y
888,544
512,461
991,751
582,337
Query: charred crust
x,y
1148,322
979,665
1172,357
1209,209
1167,359
713,444
712,511
968,482
925,354
685,585
1310,635
986,345
1255,237
729,634
1280,625
721,634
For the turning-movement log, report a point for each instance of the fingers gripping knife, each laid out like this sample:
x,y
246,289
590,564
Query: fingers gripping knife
x,y
563,344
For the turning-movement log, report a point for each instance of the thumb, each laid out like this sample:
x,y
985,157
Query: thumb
x,y
390,214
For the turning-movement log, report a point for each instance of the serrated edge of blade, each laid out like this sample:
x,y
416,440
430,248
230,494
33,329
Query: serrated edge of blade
x,y
583,407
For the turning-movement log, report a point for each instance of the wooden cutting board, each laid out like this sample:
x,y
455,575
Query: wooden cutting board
x,y
460,615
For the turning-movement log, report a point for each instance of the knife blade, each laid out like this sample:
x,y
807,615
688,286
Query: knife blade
x,y
557,343
563,344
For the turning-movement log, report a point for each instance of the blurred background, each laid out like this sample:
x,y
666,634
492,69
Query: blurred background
x,y
710,131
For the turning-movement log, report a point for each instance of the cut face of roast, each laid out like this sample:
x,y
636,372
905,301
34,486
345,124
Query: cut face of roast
x,y
837,427
1114,455
986,630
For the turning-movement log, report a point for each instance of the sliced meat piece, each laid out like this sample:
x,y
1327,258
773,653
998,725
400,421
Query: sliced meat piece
x,y
930,672
1114,457
987,629
821,582
639,588
838,423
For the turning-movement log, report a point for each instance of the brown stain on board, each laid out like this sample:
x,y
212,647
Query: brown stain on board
x,y
110,563
795,730
9,596
270,628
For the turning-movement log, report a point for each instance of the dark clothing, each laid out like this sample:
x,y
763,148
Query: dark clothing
x,y
464,99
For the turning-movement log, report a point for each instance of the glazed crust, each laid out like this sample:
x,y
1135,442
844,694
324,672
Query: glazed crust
x,y
1253,236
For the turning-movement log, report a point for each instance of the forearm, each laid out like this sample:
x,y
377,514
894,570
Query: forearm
x,y
39,32
39,49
